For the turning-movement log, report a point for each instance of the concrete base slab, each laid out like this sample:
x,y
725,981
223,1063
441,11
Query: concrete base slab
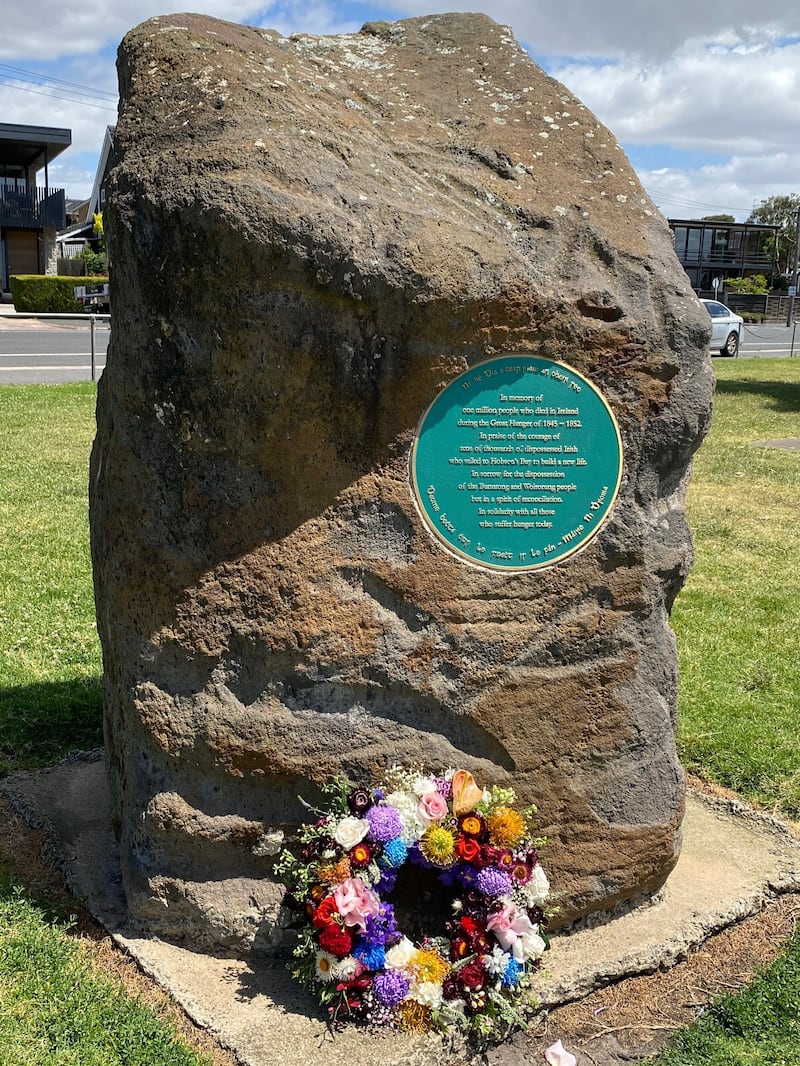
x,y
733,860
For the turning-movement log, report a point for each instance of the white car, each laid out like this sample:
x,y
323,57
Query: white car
x,y
726,327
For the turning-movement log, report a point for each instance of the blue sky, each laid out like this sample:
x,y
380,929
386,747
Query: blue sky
x,y
705,99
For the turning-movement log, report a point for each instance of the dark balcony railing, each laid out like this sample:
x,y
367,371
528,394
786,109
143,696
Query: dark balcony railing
x,y
747,257
32,208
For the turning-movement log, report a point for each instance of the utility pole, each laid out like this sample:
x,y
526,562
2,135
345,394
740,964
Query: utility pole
x,y
793,290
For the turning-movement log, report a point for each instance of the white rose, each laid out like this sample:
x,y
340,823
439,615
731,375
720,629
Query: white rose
x,y
537,888
532,944
399,957
350,831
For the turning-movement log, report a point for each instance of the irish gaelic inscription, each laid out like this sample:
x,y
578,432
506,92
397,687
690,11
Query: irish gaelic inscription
x,y
517,463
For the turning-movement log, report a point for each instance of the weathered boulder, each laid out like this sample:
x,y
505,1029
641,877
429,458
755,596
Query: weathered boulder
x,y
310,237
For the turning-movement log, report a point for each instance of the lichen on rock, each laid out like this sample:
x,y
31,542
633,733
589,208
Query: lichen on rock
x,y
311,236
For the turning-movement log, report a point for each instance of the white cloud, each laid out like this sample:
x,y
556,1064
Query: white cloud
x,y
616,28
734,186
704,97
86,123
48,29
719,80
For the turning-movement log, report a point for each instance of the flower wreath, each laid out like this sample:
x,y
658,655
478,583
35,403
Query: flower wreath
x,y
351,952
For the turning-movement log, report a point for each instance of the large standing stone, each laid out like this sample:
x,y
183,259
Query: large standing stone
x,y
311,236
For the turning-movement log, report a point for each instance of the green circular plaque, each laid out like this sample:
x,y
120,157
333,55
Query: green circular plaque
x,y
517,462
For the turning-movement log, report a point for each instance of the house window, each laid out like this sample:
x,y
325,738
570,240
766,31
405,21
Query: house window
x,y
12,178
693,244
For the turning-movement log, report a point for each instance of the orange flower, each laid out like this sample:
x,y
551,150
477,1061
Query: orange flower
x,y
415,1017
466,792
471,825
334,873
506,827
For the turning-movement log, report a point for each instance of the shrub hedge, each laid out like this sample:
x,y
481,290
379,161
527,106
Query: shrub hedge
x,y
49,293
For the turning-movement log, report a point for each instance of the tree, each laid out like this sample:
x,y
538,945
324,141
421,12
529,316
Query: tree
x,y
780,211
755,283
717,218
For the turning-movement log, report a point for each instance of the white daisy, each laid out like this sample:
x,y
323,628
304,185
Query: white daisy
x,y
346,968
325,963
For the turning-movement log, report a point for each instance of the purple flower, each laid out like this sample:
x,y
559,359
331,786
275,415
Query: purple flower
x,y
493,882
384,823
467,875
385,885
444,787
382,928
359,800
391,987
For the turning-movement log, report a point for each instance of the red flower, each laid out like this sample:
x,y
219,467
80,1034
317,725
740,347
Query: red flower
x,y
325,913
459,947
468,849
472,977
472,824
336,940
480,944
471,925
361,856
500,857
521,872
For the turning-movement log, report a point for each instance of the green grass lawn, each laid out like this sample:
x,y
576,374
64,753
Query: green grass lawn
x,y
56,1006
739,700
736,619
50,698
759,1026
58,1009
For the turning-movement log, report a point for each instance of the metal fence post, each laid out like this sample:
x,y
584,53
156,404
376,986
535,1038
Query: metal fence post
x,y
94,376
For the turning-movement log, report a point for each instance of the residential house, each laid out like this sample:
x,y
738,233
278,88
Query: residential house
x,y
708,250
30,213
80,234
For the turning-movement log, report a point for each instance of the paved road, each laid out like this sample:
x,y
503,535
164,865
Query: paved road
x,y
773,341
38,354
48,354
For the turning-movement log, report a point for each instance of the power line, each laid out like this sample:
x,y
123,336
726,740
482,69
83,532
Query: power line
x,y
57,96
679,201
42,79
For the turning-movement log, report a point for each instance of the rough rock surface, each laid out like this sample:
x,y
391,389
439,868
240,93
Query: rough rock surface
x,y
310,237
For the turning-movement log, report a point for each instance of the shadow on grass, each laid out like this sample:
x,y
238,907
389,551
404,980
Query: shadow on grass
x,y
41,723
781,395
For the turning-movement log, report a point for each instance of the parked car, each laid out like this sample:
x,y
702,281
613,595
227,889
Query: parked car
x,y
726,327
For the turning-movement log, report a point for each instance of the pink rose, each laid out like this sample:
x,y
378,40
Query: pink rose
x,y
510,925
355,902
432,807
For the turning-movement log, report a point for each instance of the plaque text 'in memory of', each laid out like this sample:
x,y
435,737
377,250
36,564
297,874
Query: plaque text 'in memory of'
x,y
517,463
